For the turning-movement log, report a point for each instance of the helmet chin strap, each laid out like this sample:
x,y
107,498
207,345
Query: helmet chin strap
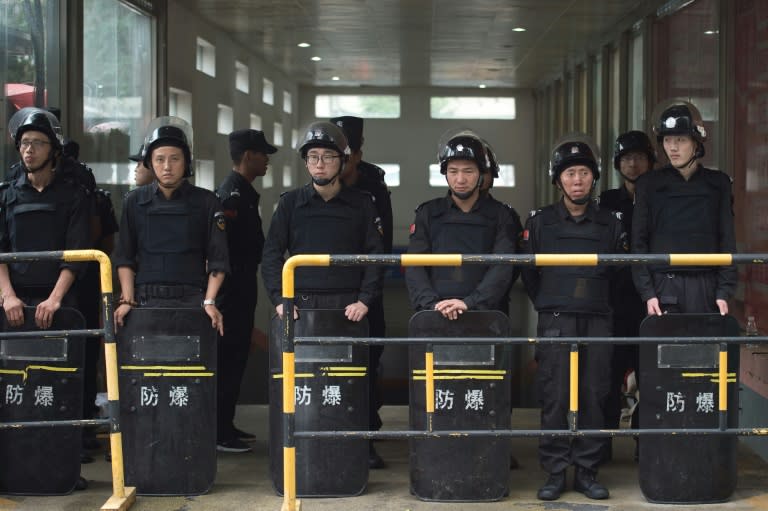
x,y
51,159
578,202
324,181
467,195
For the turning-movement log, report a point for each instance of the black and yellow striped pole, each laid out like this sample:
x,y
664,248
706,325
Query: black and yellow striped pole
x,y
290,502
122,497
573,413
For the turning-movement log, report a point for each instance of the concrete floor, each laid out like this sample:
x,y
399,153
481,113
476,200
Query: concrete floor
x,y
243,481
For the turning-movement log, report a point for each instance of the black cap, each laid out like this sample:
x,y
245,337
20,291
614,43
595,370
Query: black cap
x,y
138,156
353,129
248,140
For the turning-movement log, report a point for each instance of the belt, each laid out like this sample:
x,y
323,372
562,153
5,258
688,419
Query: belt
x,y
167,291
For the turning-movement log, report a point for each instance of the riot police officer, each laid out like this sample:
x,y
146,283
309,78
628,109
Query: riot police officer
x,y
572,301
41,210
467,222
633,156
141,174
172,247
368,177
683,207
324,217
250,152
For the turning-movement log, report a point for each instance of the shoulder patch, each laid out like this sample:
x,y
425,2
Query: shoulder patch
x,y
533,213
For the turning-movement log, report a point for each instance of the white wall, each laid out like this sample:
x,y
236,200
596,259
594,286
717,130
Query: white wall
x,y
412,141
184,27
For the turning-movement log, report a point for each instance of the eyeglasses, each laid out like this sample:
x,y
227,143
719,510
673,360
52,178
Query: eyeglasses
x,y
34,144
634,157
314,159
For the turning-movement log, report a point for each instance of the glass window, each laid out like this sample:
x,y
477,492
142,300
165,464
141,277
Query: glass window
x,y
506,177
180,104
287,176
287,104
204,174
268,92
377,106
242,80
465,107
294,138
435,177
267,180
118,92
255,122
206,57
225,120
391,173
27,78
277,137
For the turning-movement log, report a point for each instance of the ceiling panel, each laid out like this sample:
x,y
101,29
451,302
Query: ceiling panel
x,y
452,43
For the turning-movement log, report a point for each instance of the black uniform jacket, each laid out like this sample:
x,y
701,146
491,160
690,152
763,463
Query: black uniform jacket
x,y
674,216
55,218
579,289
172,241
304,223
441,227
371,180
245,235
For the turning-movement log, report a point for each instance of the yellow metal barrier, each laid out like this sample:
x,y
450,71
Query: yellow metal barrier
x,y
122,497
291,503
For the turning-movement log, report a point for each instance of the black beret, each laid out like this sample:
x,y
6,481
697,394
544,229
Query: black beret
x,y
352,128
249,140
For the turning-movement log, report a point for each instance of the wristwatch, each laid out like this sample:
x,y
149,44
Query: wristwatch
x,y
209,302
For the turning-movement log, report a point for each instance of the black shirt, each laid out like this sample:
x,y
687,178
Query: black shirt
x,y
172,241
675,216
55,218
441,227
304,223
371,180
578,289
245,236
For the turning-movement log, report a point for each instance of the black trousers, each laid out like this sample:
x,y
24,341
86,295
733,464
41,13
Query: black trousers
x,y
234,347
552,383
377,328
684,292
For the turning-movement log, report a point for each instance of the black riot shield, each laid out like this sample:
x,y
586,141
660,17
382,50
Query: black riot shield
x,y
167,370
41,380
331,394
472,392
679,389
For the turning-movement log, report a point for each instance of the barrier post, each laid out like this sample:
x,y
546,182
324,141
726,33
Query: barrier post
x,y
122,498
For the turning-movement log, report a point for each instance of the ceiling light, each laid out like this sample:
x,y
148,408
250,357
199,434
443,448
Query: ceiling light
x,y
335,78
518,29
711,32
303,45
482,86
316,58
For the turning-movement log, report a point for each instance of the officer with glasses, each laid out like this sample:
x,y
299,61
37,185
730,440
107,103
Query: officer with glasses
x,y
324,217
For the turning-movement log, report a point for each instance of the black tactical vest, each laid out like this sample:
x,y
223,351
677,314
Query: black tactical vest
x,y
575,288
171,241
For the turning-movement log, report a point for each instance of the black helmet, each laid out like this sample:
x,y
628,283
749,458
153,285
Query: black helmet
x,y
493,162
168,131
681,118
463,146
323,134
36,119
633,141
574,149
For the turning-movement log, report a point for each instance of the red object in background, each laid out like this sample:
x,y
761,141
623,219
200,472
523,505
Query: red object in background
x,y
20,95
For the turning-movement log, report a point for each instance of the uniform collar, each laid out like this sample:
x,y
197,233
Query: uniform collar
x,y
308,192
447,202
564,214
182,190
